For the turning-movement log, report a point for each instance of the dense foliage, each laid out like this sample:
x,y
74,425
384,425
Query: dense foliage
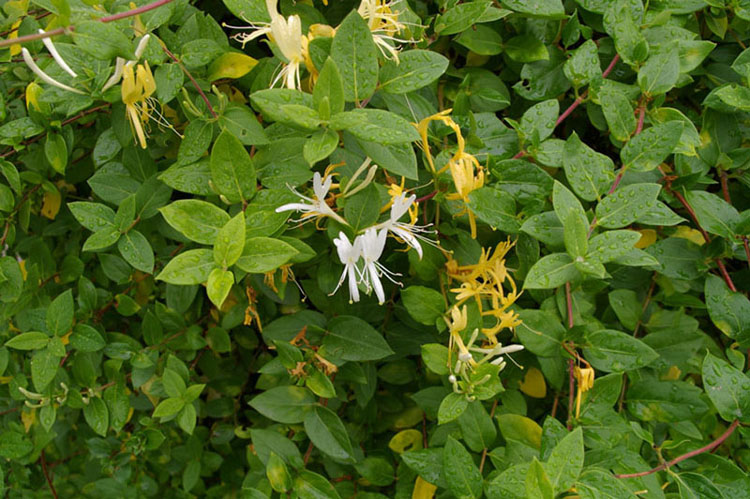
x,y
372,248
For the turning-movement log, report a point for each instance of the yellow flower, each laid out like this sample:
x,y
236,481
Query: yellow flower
x,y
137,88
384,25
459,319
465,169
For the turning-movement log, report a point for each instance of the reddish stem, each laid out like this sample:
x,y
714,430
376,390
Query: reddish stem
x,y
192,80
724,185
569,302
66,29
46,475
426,197
690,454
611,66
641,116
571,108
571,392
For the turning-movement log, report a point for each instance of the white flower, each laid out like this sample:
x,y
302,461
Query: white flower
x,y
373,243
409,232
349,254
317,206
286,33
44,76
383,23
120,63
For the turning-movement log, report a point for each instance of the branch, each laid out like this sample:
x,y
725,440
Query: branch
x,y
46,475
683,457
190,76
68,29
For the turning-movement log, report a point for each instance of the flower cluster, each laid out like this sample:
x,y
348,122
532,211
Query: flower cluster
x,y
483,282
467,173
286,34
361,255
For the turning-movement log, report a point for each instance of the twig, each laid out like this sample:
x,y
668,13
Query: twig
x,y
68,29
484,451
426,197
190,76
683,457
46,475
571,394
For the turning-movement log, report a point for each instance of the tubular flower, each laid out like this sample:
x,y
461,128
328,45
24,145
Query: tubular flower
x,y
137,88
317,206
409,232
384,24
286,33
29,60
349,254
466,171
484,282
373,243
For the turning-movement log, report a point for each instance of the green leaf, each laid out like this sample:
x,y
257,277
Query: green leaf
x,y
428,463
566,204
136,250
93,216
173,383
482,40
398,159
660,73
241,122
590,173
284,404
543,9
540,332
86,339
618,112
566,461
118,406
230,241
264,254
425,305
320,145
615,351
232,170
648,149
435,357
328,434
526,48
168,407
575,236
96,415
197,138
451,407
28,341
583,66
103,41
56,152
415,69
729,310
477,427
551,271
665,401
375,125
351,338
280,104
714,214
329,87
277,473
611,245
363,208
626,204
538,483
494,207
538,122
219,285
461,17
463,476
187,418
194,179
44,367
596,483
629,40
59,317
197,220
189,267
727,387
356,56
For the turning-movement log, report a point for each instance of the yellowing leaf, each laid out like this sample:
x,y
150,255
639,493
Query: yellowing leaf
x,y
648,237
15,49
673,374
406,440
231,65
28,419
22,265
66,339
423,489
533,384
408,418
51,204
690,234
33,91
474,59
